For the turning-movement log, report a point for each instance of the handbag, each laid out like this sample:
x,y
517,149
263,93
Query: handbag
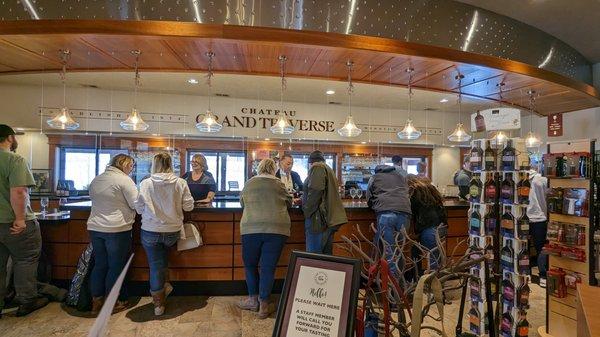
x,y
189,237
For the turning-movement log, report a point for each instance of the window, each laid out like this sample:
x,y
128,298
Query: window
x,y
80,165
301,165
225,166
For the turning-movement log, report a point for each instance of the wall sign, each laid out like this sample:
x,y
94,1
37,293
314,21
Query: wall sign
x,y
319,296
498,119
555,125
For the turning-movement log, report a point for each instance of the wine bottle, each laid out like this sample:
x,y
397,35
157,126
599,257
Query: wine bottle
x,y
490,190
523,295
476,158
479,122
508,156
475,221
507,223
582,167
489,157
523,261
475,287
522,328
507,255
506,325
489,253
523,225
474,319
475,188
523,187
507,189
489,221
508,290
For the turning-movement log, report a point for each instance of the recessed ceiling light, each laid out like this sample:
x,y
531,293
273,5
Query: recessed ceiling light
x,y
330,92
443,100
193,81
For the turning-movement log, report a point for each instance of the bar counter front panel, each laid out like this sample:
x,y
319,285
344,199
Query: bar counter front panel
x,y
220,259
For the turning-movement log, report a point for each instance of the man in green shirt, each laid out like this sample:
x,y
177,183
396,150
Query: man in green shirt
x,y
20,237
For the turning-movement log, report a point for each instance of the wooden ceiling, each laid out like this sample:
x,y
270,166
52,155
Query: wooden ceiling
x,y
33,46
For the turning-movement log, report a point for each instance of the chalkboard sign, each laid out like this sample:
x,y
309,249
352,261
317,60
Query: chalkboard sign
x,y
319,296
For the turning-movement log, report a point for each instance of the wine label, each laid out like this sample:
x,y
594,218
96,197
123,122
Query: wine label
x,y
490,226
507,224
523,192
508,159
475,225
474,191
523,331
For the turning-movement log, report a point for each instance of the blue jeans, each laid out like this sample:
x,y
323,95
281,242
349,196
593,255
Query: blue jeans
x,y
111,252
319,242
157,247
389,224
538,235
427,239
261,250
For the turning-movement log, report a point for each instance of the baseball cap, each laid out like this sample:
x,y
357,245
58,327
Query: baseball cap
x,y
316,156
6,131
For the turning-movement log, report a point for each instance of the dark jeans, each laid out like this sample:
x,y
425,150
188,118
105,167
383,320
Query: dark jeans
x,y
538,235
319,242
428,239
389,224
157,247
111,252
24,249
261,250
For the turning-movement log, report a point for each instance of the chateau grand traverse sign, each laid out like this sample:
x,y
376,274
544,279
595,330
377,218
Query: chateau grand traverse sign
x,y
319,297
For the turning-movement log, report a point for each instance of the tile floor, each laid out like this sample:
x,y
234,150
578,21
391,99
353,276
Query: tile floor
x,y
194,316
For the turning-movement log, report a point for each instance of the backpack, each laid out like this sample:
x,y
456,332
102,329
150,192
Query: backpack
x,y
80,295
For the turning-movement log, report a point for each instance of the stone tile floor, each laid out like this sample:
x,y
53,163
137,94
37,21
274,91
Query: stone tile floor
x,y
195,316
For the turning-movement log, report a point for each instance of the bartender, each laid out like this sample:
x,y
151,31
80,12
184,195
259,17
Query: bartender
x,y
462,179
289,178
201,182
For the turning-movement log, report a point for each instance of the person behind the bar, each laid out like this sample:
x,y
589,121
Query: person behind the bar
x,y
162,200
20,237
538,222
462,179
265,226
113,195
289,178
397,161
387,195
428,213
201,182
323,210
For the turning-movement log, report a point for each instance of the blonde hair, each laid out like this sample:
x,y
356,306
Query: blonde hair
x,y
201,160
267,166
120,161
162,163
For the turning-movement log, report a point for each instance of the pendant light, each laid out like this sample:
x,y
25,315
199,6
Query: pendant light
x,y
409,132
209,123
349,129
282,125
135,122
460,134
531,141
63,119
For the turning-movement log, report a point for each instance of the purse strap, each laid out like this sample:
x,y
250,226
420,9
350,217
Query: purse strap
x,y
436,288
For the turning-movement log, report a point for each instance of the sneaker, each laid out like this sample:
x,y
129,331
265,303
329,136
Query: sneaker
x,y
158,299
27,308
543,282
249,303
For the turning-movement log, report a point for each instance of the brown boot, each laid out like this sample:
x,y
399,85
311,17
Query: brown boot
x,y
158,298
97,303
120,306
264,309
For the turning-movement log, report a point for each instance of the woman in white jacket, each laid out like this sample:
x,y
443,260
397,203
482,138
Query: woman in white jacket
x,y
113,195
162,200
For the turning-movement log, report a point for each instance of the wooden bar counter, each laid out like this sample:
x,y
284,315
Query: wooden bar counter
x,y
220,258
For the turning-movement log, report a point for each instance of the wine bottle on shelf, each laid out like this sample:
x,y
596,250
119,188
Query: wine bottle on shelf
x,y
475,221
522,327
489,157
490,221
475,188
508,156
583,167
507,255
489,253
523,187
523,261
476,158
523,225
572,167
507,223
506,325
508,290
490,193
507,189
475,287
560,168
523,295
474,319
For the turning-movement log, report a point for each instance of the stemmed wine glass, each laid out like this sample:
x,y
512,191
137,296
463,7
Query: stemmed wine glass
x,y
359,194
353,194
44,201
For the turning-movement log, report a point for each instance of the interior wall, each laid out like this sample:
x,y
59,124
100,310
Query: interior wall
x,y
446,161
33,146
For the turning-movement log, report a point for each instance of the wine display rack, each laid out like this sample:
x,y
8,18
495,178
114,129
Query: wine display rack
x,y
498,226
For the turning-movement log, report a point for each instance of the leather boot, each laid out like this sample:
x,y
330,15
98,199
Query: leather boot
x,y
158,298
264,309
97,303
249,303
29,307
120,306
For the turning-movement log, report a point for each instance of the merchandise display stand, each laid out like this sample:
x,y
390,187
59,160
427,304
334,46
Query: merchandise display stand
x,y
569,167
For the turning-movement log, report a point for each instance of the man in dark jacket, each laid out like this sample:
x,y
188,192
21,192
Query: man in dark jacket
x,y
291,179
322,206
387,195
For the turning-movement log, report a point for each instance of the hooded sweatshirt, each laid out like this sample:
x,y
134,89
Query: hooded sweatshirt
x,y
163,198
536,210
388,191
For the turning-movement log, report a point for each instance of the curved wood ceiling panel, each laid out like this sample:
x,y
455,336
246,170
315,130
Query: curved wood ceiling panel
x,y
172,46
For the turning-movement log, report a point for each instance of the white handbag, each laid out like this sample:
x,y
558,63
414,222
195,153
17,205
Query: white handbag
x,y
189,238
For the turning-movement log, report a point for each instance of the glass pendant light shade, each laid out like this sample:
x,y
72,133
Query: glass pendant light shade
x,y
209,123
349,129
459,135
282,126
134,122
63,121
532,141
409,132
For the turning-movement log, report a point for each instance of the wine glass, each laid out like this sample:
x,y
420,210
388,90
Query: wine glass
x,y
359,194
353,194
44,201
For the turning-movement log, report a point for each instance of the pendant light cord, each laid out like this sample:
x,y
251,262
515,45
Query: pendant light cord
x,y
410,93
350,64
282,60
65,55
531,105
459,78
209,76
136,81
